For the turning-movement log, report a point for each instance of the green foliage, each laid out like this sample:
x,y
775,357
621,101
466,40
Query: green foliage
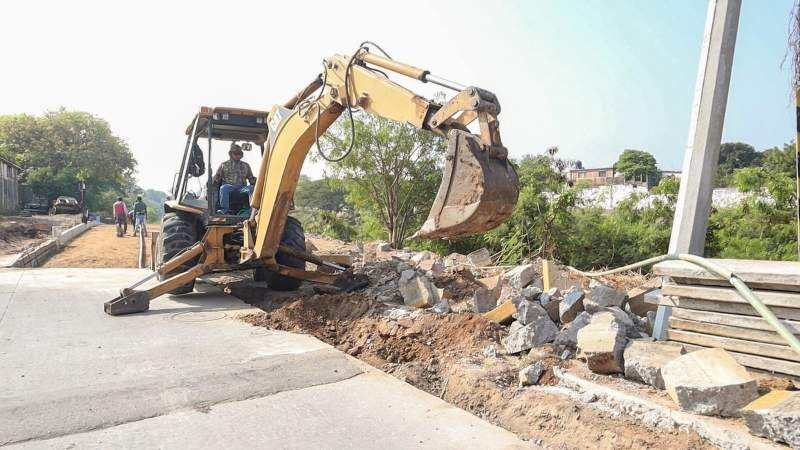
x,y
391,175
327,194
735,155
61,148
636,164
763,227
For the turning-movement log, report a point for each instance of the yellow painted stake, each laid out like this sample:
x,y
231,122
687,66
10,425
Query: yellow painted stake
x,y
549,275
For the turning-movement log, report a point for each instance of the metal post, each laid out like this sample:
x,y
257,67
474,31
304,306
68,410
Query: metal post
x,y
705,135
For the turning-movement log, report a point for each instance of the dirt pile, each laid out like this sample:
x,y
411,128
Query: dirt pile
x,y
457,356
15,235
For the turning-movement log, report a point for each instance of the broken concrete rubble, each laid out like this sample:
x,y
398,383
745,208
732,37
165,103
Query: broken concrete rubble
x,y
480,258
601,297
776,416
483,300
571,305
709,382
645,358
442,307
539,332
455,260
568,337
530,375
520,276
602,342
528,312
531,292
551,300
636,299
417,290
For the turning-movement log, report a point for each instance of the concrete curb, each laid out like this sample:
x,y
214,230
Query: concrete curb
x,y
717,431
36,256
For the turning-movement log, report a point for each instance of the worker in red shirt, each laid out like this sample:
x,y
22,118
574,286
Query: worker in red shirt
x,y
121,217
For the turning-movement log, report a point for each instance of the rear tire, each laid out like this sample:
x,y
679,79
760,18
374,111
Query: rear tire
x,y
293,237
178,232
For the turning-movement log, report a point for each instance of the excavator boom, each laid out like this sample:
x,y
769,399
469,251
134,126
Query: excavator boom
x,y
479,185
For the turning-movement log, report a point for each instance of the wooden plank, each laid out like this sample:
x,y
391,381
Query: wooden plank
x,y
728,308
502,313
759,362
736,345
747,334
777,275
729,294
733,320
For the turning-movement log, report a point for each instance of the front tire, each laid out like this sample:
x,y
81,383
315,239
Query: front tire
x,y
295,238
178,233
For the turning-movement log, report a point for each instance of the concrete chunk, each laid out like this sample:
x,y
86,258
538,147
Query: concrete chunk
x,y
709,382
535,334
528,312
568,336
776,416
480,258
601,297
645,358
483,300
530,375
519,276
417,290
602,343
550,301
571,305
531,292
455,260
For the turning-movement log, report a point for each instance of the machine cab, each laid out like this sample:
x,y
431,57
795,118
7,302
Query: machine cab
x,y
209,137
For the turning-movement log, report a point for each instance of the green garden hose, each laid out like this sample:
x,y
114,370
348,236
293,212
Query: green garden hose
x,y
735,281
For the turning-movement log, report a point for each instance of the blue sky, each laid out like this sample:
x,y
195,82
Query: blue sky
x,y
593,77
621,74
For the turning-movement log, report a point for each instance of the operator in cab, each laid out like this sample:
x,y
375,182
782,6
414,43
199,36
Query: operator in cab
x,y
233,176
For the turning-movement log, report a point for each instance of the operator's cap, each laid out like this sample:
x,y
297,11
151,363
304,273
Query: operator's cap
x,y
235,148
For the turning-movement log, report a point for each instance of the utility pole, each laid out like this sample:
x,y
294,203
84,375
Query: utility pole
x,y
705,135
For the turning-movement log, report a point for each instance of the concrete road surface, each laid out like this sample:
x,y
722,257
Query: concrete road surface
x,y
187,374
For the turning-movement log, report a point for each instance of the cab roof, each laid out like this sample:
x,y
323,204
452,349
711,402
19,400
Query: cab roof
x,y
231,124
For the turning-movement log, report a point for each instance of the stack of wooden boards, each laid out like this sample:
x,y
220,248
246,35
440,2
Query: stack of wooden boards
x,y
707,312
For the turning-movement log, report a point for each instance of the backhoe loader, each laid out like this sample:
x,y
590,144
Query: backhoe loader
x,y
478,192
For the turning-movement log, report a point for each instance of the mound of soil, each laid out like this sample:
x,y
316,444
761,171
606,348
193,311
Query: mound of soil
x,y
451,356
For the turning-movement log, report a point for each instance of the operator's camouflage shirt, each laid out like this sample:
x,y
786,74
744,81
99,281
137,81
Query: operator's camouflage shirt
x,y
234,172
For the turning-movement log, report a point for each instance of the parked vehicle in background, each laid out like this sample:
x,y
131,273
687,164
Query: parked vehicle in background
x,y
29,209
65,205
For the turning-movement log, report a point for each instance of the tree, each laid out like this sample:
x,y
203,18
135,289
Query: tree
x,y
735,155
326,194
636,164
392,173
763,226
61,148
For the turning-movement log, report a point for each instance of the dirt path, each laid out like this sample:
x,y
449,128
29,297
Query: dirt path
x,y
98,247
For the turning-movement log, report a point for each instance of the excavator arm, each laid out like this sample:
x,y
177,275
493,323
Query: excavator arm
x,y
478,192
479,187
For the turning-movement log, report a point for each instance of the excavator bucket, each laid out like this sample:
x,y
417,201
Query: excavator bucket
x,y
479,190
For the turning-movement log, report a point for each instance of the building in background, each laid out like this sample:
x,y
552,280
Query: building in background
x,y
603,176
9,185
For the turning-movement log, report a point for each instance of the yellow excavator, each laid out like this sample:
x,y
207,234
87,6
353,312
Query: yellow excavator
x,y
478,192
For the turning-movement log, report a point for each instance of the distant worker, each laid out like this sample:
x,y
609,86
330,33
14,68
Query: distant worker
x,y
121,217
232,176
139,216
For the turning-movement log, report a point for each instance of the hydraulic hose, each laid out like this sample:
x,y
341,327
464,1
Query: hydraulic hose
x,y
732,278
